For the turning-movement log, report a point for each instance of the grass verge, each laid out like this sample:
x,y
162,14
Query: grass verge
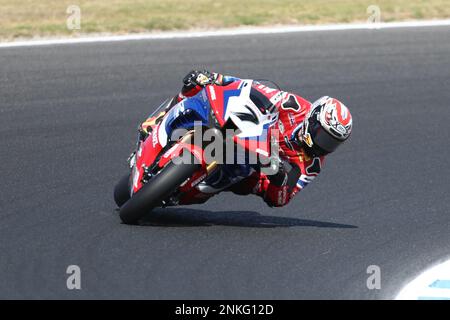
x,y
47,18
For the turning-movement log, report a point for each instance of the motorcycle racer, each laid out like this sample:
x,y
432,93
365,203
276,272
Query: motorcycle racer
x,y
307,132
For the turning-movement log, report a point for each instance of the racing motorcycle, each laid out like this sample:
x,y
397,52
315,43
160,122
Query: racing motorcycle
x,y
170,166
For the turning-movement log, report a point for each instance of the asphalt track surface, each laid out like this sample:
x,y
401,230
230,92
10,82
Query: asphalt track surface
x,y
68,119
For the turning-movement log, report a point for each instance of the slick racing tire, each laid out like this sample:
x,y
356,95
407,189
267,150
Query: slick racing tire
x,y
155,191
122,190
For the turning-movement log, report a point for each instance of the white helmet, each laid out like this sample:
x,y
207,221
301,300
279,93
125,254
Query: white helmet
x,y
326,126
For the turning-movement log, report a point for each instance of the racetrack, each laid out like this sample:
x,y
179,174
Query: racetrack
x,y
68,119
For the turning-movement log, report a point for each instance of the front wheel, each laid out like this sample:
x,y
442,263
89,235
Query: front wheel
x,y
156,190
122,190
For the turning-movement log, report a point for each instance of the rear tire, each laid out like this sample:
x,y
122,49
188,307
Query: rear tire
x,y
122,190
156,190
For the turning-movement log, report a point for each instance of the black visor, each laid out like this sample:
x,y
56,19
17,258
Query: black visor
x,y
320,137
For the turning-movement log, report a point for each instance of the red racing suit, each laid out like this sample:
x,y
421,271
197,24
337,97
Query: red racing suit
x,y
299,168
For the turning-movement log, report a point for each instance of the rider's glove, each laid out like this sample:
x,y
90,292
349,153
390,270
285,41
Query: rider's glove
x,y
199,78
280,178
278,192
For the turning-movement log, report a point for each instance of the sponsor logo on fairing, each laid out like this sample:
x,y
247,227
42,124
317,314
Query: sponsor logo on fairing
x,y
154,139
266,89
277,98
213,93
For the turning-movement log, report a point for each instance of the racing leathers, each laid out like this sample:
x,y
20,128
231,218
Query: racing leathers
x,y
298,166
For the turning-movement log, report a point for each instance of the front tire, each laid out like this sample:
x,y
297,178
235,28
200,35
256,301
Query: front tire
x,y
122,190
157,189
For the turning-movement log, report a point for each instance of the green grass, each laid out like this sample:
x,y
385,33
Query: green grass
x,y
44,18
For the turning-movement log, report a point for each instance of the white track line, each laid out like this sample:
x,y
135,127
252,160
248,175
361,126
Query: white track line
x,y
426,286
225,33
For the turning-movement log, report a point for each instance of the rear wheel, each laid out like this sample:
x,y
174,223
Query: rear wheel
x,y
156,190
122,190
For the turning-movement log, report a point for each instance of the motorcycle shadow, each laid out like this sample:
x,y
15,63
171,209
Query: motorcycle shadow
x,y
180,217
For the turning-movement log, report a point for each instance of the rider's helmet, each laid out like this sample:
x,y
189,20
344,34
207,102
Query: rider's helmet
x,y
325,127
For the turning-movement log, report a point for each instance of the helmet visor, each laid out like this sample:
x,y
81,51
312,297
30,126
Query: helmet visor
x,y
320,137
324,140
